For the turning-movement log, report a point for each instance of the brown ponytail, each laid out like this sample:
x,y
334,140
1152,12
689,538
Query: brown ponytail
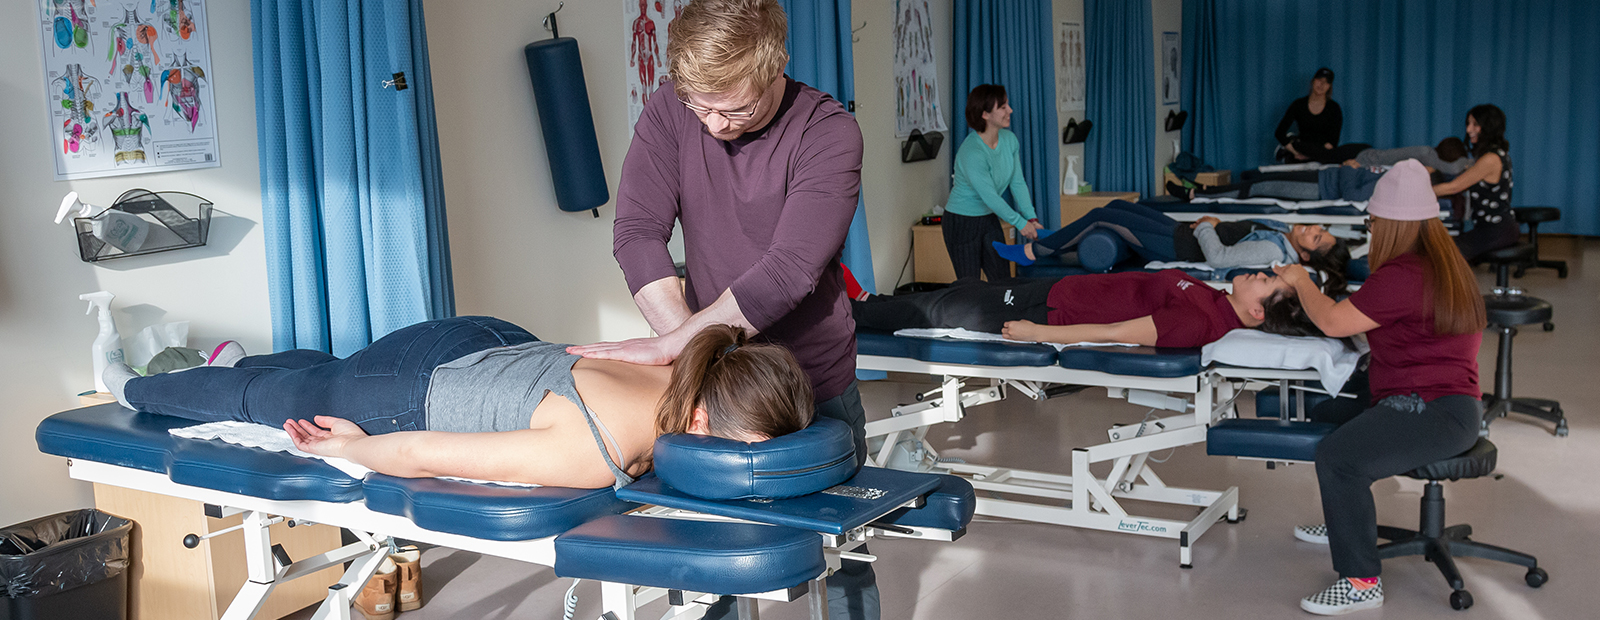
x,y
746,388
1457,304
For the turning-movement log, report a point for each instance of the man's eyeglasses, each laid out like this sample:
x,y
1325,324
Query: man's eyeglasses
x,y
730,116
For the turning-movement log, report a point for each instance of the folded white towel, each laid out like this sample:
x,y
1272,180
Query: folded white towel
x,y
273,439
1292,205
1252,348
959,333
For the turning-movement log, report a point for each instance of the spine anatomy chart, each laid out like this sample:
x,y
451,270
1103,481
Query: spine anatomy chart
x,y
128,86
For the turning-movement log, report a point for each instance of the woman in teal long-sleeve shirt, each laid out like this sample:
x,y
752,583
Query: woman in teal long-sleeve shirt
x,y
988,163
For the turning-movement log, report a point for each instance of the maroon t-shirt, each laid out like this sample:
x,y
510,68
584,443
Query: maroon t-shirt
x,y
1187,313
764,215
1407,355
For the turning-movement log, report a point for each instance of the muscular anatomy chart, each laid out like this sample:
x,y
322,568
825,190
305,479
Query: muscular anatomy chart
x,y
915,76
107,64
77,97
181,90
127,126
647,22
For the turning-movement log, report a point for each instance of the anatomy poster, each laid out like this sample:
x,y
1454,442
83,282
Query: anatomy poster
x,y
646,30
1070,77
915,77
127,86
1169,68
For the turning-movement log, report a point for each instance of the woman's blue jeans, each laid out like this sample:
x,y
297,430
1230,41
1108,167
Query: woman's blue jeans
x,y
1151,227
382,388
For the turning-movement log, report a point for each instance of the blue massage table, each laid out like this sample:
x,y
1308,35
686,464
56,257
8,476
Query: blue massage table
x,y
758,521
1172,380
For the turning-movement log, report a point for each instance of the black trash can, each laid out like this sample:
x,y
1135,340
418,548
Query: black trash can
x,y
67,565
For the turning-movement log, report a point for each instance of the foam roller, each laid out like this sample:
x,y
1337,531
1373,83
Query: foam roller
x,y
1100,250
569,138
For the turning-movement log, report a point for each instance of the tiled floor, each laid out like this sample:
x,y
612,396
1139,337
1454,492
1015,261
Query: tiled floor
x,y
1545,501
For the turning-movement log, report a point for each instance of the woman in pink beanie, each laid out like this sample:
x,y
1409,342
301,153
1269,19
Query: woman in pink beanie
x,y
1423,316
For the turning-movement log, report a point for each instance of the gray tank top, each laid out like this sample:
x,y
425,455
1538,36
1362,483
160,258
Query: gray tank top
x,y
498,389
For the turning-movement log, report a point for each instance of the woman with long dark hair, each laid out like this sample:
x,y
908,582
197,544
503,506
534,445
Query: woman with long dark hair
x,y
1487,184
1423,317
477,397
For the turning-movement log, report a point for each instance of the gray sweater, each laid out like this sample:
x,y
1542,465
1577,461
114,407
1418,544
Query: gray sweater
x,y
1424,154
1241,254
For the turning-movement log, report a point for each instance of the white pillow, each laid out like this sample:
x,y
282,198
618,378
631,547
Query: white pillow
x,y
1253,348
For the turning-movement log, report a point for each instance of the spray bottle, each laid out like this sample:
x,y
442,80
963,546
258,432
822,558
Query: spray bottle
x,y
107,347
1069,182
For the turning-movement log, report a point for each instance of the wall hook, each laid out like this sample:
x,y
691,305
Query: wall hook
x,y
550,21
853,31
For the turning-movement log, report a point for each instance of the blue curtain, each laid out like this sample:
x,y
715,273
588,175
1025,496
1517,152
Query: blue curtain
x,y
1120,62
1406,74
352,201
1009,42
821,55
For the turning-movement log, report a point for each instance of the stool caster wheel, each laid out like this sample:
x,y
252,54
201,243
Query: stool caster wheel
x,y
1549,327
1536,577
1460,600
1561,429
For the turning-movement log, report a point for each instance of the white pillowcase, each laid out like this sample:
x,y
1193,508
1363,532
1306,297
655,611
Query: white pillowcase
x,y
1253,348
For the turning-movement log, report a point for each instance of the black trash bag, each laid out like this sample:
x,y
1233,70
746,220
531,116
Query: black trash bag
x,y
62,551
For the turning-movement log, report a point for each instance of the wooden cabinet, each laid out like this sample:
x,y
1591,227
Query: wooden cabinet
x,y
930,261
167,581
1074,206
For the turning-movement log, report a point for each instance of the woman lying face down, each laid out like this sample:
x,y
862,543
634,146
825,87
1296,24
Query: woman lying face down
x,y
1165,308
477,397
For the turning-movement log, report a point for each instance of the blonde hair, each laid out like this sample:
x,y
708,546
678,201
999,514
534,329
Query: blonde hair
x,y
719,46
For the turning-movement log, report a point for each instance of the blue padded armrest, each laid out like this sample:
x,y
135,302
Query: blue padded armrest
x,y
950,507
800,463
258,473
110,434
829,512
114,435
878,342
1133,361
487,511
699,556
1267,439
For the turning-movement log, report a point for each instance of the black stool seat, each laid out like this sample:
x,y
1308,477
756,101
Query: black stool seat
x,y
1521,252
1536,215
1533,216
1475,462
1512,310
1442,545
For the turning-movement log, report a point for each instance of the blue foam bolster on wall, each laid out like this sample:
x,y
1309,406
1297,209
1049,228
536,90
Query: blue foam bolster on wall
x,y
569,138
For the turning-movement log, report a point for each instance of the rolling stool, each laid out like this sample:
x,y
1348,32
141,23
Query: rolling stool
x,y
1440,544
1533,216
1519,255
1506,311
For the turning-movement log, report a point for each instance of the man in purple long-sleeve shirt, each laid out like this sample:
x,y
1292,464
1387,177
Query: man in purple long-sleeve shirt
x,y
763,172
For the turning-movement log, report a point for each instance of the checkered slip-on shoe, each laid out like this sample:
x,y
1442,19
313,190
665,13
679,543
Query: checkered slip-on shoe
x,y
1342,597
1317,534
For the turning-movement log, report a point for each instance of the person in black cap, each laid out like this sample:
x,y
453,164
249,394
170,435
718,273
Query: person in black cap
x,y
1319,120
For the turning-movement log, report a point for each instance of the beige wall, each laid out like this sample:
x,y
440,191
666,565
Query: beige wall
x,y
44,336
516,255
896,193
1166,16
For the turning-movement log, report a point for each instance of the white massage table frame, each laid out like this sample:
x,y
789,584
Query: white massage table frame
x,y
1287,218
1092,502
618,601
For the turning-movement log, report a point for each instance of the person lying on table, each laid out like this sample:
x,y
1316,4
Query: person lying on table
x,y
1165,308
477,397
